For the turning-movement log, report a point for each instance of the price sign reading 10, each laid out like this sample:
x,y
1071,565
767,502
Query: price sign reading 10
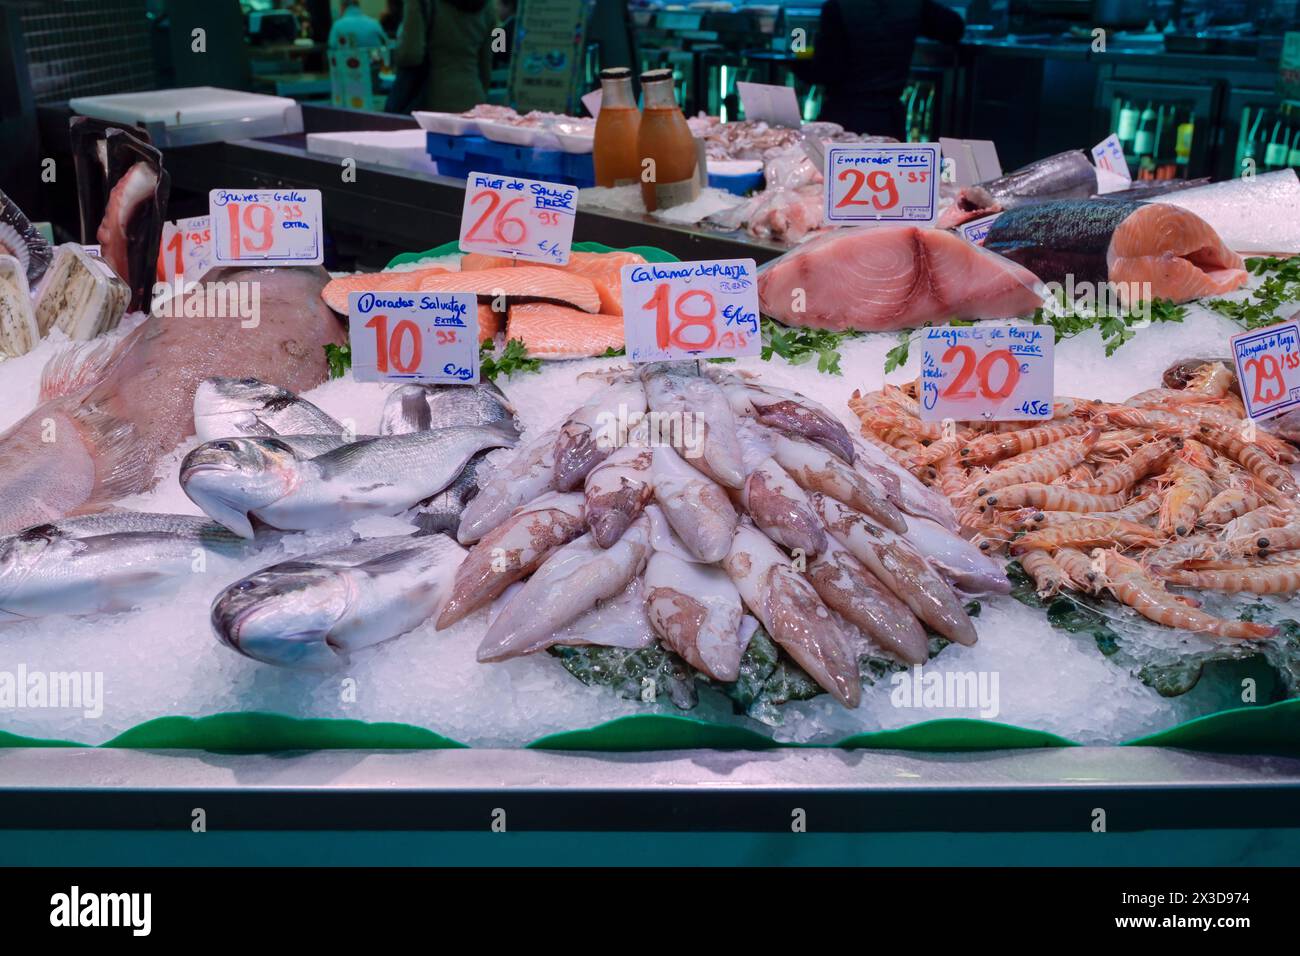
x,y
267,227
998,373
414,337
691,310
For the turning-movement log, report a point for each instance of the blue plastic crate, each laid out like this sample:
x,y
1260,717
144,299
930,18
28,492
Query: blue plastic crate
x,y
741,185
442,146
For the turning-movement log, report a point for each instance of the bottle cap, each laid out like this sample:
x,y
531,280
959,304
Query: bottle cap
x,y
616,73
656,76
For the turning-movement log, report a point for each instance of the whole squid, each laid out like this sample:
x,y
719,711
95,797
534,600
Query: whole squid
x,y
696,506
697,610
589,435
528,474
697,417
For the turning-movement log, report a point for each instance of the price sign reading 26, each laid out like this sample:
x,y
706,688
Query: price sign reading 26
x,y
685,310
414,337
267,227
1268,369
874,184
986,373
521,218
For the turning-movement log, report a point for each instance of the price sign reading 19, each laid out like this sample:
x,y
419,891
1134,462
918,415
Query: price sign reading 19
x,y
521,218
685,310
1268,369
414,336
986,373
882,184
269,227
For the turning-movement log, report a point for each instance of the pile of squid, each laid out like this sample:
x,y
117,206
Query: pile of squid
x,y
1174,488
692,507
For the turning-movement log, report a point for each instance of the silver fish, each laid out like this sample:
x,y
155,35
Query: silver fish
x,y
529,473
793,614
569,583
44,571
513,550
696,609
228,407
442,512
697,417
417,408
123,522
312,612
236,479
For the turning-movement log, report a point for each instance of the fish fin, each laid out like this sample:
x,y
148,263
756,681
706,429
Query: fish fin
x,y
123,465
77,369
398,560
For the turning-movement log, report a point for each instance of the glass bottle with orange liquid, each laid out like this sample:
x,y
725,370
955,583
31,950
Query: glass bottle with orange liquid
x,y
614,149
665,138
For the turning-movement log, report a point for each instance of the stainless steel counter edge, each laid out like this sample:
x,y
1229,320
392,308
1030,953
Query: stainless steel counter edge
x,y
851,791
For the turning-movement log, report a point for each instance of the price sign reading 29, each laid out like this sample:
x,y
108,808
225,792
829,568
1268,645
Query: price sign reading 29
x,y
999,373
1268,369
522,218
877,184
266,227
686,310
414,337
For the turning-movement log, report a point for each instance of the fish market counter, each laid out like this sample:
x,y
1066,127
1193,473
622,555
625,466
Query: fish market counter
x,y
1083,805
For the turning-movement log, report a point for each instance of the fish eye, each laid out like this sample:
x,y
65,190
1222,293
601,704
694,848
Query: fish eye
x,y
224,445
248,381
242,586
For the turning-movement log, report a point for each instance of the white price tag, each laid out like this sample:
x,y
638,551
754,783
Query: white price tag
x,y
977,230
882,184
691,310
1268,369
1108,155
186,248
266,227
992,373
592,101
774,105
973,160
521,217
414,337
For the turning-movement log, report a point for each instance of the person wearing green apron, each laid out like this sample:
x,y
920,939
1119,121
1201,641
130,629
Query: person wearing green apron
x,y
444,56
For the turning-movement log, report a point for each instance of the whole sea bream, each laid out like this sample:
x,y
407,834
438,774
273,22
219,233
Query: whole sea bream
x,y
110,412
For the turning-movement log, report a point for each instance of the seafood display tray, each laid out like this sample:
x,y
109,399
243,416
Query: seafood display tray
x,y
201,114
1151,795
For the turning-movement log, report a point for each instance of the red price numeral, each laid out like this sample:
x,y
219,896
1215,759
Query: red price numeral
x,y
389,349
1268,372
918,177
500,223
446,336
982,371
548,218
878,181
173,247
667,334
257,218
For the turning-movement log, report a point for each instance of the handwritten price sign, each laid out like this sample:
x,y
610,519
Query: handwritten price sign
x,y
186,248
414,337
995,373
266,227
1268,369
691,310
977,230
882,184
520,217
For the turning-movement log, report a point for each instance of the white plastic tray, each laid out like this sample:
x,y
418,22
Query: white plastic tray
x,y
197,114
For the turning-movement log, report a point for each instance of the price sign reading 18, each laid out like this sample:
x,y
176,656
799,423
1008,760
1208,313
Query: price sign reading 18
x,y
882,184
1268,369
266,227
691,310
414,337
992,373
518,217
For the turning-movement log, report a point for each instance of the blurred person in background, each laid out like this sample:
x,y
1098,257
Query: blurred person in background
x,y
506,10
863,55
444,56
355,28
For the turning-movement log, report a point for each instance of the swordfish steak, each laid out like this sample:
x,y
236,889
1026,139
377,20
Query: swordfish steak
x,y
109,412
1123,242
892,277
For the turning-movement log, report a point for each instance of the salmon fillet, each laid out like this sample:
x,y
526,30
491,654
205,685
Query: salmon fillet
x,y
1148,250
604,269
558,332
892,277
520,282
489,322
337,290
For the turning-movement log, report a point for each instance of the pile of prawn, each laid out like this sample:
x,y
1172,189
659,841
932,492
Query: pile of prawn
x,y
1173,488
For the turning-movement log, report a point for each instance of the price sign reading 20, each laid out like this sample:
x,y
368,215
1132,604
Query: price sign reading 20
x,y
685,310
881,184
267,227
520,218
986,373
